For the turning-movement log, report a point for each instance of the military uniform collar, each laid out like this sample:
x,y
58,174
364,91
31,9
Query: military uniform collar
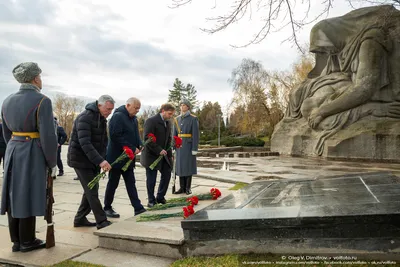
x,y
29,86
186,114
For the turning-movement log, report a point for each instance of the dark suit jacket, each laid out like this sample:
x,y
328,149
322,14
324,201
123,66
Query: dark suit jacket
x,y
151,152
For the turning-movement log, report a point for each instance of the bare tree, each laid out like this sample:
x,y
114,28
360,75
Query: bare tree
x,y
66,109
147,113
278,15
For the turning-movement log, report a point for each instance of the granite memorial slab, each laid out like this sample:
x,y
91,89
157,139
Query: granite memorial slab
x,y
360,205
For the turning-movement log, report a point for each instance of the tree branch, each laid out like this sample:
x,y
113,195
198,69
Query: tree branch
x,y
274,10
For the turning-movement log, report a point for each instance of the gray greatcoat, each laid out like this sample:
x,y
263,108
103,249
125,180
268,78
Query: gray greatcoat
x,y
186,162
27,160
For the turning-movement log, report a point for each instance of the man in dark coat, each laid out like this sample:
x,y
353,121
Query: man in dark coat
x,y
86,154
159,125
187,128
3,145
62,137
123,131
31,155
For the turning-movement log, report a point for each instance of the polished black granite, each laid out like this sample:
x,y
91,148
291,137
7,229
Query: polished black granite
x,y
358,205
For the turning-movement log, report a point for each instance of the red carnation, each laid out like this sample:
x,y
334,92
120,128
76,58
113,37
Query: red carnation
x,y
178,141
186,212
190,209
193,200
152,137
129,152
215,193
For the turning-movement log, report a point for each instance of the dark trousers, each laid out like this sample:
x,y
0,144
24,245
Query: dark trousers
x,y
90,198
59,161
21,229
151,176
130,184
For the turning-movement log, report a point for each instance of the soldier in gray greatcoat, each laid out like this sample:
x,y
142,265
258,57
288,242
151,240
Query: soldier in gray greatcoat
x,y
29,132
187,128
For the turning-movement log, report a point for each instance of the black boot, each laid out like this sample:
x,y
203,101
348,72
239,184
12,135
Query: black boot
x,y
188,185
182,185
28,239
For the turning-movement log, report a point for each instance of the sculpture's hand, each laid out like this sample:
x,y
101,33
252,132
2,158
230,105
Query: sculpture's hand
x,y
314,119
391,110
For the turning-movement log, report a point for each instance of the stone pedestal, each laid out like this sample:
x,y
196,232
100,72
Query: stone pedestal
x,y
370,139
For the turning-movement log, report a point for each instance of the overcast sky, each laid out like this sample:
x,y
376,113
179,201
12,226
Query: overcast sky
x,y
133,48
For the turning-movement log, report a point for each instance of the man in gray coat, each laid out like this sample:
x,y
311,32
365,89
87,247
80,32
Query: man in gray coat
x,y
28,129
187,128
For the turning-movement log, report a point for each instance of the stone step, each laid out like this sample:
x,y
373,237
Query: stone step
x,y
157,238
113,258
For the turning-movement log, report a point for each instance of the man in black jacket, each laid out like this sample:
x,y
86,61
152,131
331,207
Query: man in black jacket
x,y
160,126
62,137
123,132
86,153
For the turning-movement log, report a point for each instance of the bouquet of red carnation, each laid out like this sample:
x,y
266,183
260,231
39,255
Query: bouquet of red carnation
x,y
194,200
187,211
215,193
150,138
176,143
128,153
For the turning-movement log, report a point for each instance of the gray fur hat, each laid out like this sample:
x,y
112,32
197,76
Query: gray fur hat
x,y
26,72
186,102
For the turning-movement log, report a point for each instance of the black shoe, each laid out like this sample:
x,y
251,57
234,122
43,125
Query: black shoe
x,y
84,223
140,211
104,224
35,244
162,201
111,213
151,204
76,178
16,247
180,191
60,174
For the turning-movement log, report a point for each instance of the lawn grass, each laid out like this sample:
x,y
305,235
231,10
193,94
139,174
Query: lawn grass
x,y
238,186
270,260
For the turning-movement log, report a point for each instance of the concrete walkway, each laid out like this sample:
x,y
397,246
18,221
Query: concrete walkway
x,y
81,244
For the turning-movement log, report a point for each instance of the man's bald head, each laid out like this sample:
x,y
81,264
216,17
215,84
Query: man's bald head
x,y
133,106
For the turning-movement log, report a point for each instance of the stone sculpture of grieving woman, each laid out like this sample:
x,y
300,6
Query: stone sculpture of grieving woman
x,y
351,78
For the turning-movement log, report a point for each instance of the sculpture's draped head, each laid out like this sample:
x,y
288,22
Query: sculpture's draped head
x,y
330,36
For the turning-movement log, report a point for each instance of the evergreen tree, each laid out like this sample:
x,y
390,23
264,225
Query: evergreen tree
x,y
176,93
180,91
190,94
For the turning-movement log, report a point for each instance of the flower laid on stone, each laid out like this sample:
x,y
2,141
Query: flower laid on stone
x,y
188,201
194,200
185,213
215,193
102,175
150,138
176,143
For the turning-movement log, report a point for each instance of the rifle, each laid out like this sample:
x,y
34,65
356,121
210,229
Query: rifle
x,y
173,170
50,240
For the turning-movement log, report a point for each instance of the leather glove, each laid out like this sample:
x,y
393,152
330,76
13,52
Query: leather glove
x,y
53,172
194,153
